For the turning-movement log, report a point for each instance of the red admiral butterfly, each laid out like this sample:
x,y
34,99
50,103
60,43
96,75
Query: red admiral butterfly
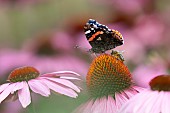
x,y
101,38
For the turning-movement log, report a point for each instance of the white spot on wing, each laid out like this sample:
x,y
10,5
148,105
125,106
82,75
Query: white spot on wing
x,y
87,32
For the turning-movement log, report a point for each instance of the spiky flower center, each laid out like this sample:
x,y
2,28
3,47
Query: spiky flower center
x,y
23,74
107,75
160,83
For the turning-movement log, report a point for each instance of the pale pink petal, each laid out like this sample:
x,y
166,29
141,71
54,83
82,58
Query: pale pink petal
x,y
111,105
120,100
69,78
38,87
155,105
132,105
144,102
64,82
6,91
136,105
60,89
103,102
19,85
4,86
165,103
24,95
149,102
139,89
96,106
61,73
100,105
133,91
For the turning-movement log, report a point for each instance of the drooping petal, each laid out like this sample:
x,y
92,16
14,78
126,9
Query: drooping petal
x,y
60,88
64,82
61,73
19,85
24,95
6,91
4,86
38,87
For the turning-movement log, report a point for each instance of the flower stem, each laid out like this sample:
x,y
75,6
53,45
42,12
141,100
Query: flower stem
x,y
31,108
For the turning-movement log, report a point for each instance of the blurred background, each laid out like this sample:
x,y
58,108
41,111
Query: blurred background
x,y
44,33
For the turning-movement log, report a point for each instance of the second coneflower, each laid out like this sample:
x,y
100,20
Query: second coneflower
x,y
24,80
110,85
153,100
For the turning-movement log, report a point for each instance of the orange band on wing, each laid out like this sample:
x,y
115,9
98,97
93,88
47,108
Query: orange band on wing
x,y
94,35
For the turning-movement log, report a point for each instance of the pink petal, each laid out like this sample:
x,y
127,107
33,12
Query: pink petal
x,y
139,89
38,87
155,105
149,102
120,100
60,73
136,105
60,89
111,105
19,85
165,103
6,91
70,78
4,86
64,82
24,95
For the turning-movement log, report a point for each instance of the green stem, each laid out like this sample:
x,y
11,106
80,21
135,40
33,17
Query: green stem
x,y
31,108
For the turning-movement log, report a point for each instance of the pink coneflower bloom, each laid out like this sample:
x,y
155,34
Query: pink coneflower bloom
x,y
153,100
25,79
110,85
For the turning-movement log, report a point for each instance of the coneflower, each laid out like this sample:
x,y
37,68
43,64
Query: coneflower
x,y
110,85
25,79
153,100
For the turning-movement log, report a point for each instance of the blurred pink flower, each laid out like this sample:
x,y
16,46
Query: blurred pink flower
x,y
131,48
128,7
48,52
60,63
154,100
24,79
10,59
50,43
149,30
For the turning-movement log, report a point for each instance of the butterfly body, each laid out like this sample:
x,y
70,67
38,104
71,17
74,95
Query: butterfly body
x,y
101,38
